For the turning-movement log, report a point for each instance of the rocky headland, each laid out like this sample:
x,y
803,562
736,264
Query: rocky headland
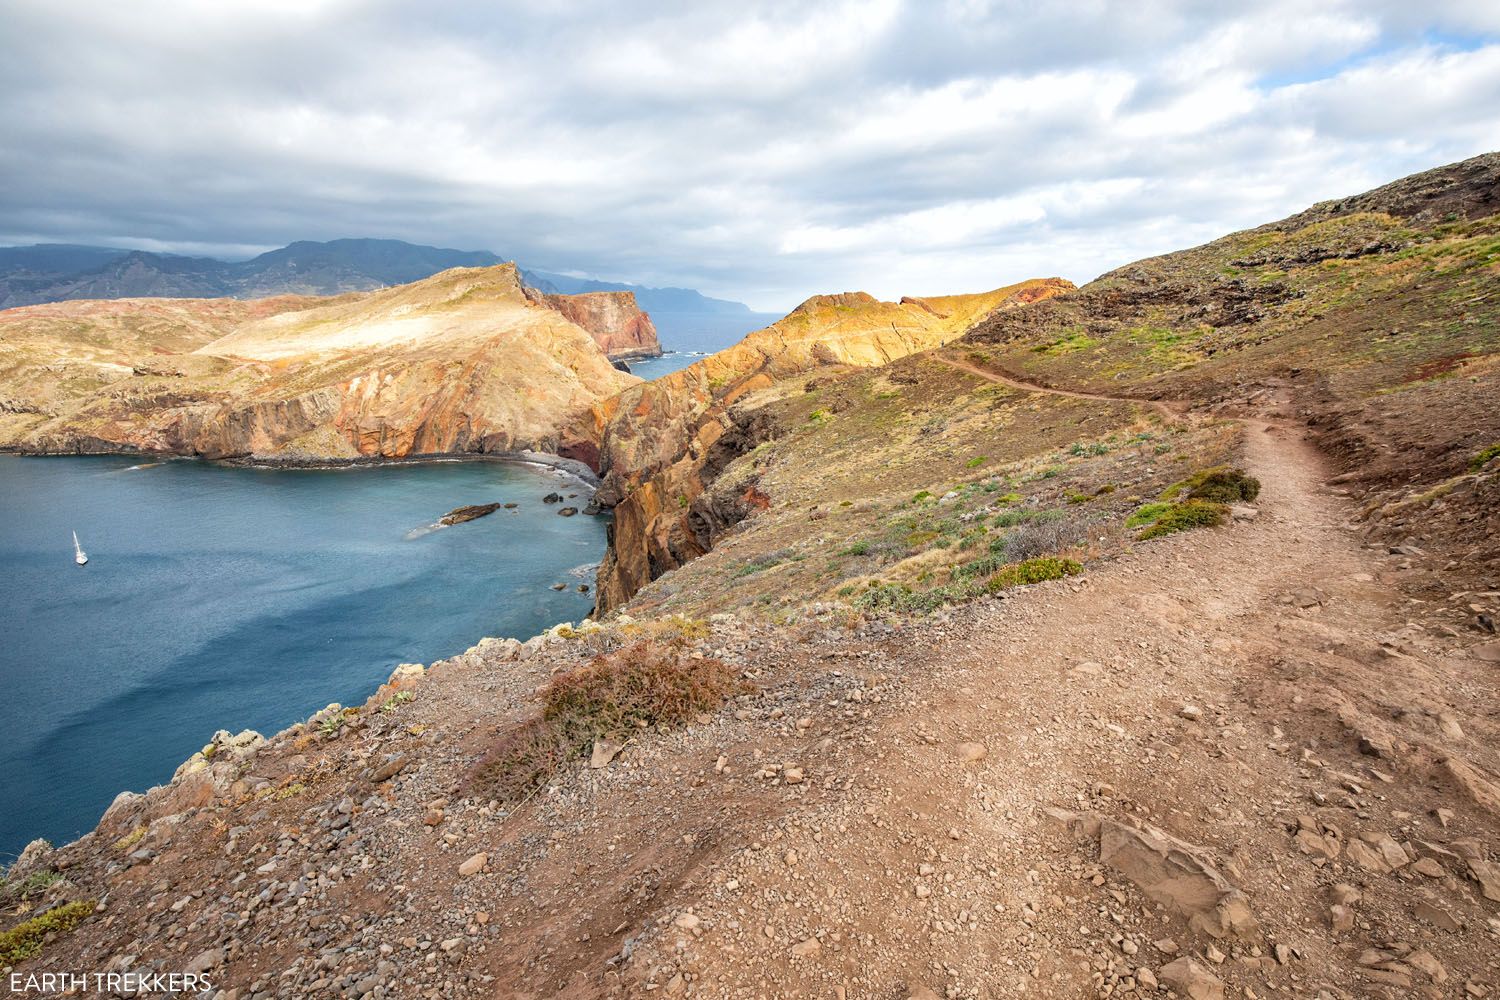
x,y
463,362
618,325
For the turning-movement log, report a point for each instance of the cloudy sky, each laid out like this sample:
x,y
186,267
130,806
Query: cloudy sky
x,y
758,151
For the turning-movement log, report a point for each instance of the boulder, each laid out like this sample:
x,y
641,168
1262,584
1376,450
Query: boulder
x,y
1178,875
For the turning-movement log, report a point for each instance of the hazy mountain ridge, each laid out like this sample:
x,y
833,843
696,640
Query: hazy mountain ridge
x,y
56,272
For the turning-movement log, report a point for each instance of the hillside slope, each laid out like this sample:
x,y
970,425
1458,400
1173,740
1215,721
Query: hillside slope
x,y
947,708
460,362
660,437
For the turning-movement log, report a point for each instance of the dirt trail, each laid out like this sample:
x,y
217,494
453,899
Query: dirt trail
x,y
1163,407
1219,686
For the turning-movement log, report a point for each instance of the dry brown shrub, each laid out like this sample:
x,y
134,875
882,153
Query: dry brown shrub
x,y
613,696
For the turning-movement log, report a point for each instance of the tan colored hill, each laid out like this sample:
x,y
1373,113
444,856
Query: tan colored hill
x,y
459,362
659,436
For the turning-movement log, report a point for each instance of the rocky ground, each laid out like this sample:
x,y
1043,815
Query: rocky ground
x,y
1233,762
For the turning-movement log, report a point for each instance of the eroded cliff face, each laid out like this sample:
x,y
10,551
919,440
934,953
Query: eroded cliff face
x,y
460,362
665,440
614,319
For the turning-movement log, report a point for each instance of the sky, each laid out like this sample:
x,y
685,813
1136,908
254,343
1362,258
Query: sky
x,y
758,151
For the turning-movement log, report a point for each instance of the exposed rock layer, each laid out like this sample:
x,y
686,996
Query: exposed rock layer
x,y
661,438
617,323
463,361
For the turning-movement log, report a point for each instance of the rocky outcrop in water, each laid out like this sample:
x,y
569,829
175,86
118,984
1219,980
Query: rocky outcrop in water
x,y
459,515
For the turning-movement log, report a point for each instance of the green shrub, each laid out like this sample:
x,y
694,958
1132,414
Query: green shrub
x,y
1485,457
1184,516
1148,513
859,548
25,939
902,599
1220,484
1227,486
1037,570
984,565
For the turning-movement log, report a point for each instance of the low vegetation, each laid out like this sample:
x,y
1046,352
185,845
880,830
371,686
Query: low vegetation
x,y
1171,518
1030,571
1221,484
25,940
613,697
1485,457
22,890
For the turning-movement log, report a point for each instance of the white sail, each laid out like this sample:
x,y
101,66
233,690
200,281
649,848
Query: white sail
x,y
79,556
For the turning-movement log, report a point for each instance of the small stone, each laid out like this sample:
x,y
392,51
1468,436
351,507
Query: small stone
x,y
1192,980
1427,962
474,865
1428,867
1192,713
1487,874
971,753
1435,915
688,921
792,775
604,751
804,948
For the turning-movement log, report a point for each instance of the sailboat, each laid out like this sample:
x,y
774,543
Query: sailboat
x,y
79,556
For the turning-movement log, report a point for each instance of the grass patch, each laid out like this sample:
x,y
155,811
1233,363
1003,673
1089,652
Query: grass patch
x,y
1067,344
900,598
1185,516
1148,513
1485,457
1038,570
612,697
31,885
976,461
25,940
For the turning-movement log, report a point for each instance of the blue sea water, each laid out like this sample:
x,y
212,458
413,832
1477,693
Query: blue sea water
x,y
689,337
235,598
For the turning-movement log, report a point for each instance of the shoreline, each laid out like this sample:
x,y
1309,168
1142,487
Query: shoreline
x,y
569,466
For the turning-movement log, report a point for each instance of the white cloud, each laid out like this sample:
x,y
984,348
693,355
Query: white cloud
x,y
761,150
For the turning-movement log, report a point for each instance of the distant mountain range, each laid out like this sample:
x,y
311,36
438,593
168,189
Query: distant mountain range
x,y
54,272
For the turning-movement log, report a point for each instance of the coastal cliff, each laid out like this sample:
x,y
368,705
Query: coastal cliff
x,y
462,362
663,440
619,326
